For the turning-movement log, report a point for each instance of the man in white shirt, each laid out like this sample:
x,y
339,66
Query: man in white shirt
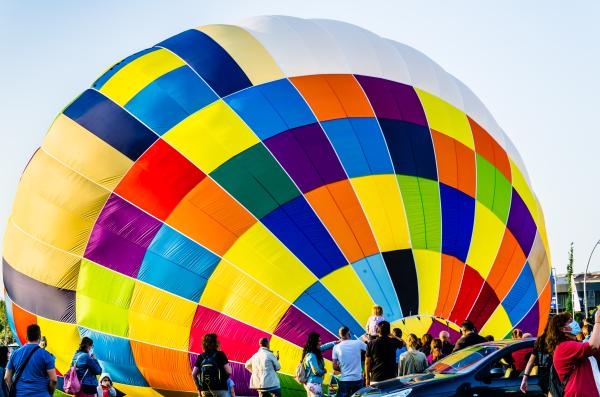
x,y
347,360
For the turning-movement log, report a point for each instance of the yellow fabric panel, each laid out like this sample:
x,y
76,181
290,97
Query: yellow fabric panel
x,y
247,52
237,295
56,205
498,324
412,325
488,231
445,118
429,267
33,258
289,354
258,253
160,318
211,136
380,198
541,225
130,80
345,285
63,339
521,186
137,391
86,153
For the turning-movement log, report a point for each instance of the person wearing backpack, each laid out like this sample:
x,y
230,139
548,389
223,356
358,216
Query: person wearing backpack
x,y
30,371
575,363
212,369
314,365
412,361
542,359
263,366
87,368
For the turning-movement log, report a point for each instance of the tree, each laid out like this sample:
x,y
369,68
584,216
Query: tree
x,y
6,335
569,307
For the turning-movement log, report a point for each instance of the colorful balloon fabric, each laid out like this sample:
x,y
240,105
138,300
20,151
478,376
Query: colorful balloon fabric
x,y
267,180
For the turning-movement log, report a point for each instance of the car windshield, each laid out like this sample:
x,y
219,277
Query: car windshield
x,y
463,360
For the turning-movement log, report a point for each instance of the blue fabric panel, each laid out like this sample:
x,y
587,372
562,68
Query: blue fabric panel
x,y
170,99
271,108
177,264
209,60
320,305
118,66
360,145
411,148
458,213
109,122
522,296
115,357
297,226
375,277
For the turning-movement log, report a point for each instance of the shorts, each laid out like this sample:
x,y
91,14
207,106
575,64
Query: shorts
x,y
313,389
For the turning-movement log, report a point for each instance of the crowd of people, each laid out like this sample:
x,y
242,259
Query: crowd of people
x,y
566,356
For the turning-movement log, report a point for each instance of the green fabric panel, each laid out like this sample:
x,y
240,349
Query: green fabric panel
x,y
422,204
493,189
289,386
502,197
485,182
256,180
103,298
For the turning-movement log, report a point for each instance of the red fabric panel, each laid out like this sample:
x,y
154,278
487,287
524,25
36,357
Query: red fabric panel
x,y
159,179
484,307
469,290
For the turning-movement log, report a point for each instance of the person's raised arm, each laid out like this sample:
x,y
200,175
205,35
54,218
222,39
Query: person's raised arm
x,y
328,346
526,373
595,336
94,365
276,365
53,380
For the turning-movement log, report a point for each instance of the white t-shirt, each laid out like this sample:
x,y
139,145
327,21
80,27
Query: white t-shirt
x,y
347,352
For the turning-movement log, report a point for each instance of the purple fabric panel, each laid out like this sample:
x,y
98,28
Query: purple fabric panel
x,y
521,223
437,327
307,156
531,321
392,100
295,327
121,236
239,374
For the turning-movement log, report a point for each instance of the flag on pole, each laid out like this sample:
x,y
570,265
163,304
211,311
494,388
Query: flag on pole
x,y
575,296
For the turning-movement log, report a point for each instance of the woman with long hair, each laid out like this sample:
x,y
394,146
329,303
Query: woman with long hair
x,y
87,367
412,361
426,340
314,365
575,363
436,351
541,358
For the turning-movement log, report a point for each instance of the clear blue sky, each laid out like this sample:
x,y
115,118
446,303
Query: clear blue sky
x,y
535,64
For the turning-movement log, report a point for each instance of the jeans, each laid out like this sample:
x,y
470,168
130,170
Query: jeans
x,y
348,388
269,393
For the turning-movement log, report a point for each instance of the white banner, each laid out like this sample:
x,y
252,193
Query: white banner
x,y
575,296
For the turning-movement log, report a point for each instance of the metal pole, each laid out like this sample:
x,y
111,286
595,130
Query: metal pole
x,y
585,301
555,289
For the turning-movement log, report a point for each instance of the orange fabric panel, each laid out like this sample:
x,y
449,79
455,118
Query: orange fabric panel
x,y
211,217
23,319
507,266
341,213
456,163
163,368
487,146
544,306
451,278
333,96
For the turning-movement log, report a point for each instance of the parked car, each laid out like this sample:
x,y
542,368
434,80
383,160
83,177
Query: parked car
x,y
488,369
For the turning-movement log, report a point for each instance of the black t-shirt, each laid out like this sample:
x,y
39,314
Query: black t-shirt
x,y
221,360
382,353
447,348
468,340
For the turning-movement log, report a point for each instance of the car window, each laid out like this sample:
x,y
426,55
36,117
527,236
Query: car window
x,y
463,360
513,364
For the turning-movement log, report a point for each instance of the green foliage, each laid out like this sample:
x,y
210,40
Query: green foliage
x,y
6,335
569,308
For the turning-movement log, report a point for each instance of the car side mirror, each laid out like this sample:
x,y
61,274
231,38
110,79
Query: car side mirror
x,y
496,373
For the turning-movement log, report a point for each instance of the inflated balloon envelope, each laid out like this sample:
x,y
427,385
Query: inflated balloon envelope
x,y
269,179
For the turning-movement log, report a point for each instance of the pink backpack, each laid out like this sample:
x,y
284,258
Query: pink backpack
x,y
72,384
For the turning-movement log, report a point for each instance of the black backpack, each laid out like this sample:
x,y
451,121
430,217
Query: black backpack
x,y
209,376
557,388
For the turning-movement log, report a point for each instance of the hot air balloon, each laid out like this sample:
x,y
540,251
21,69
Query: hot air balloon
x,y
269,179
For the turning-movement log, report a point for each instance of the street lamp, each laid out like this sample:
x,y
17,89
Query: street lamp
x,y
585,301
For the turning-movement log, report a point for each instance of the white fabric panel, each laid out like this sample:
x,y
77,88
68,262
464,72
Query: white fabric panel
x,y
516,157
421,69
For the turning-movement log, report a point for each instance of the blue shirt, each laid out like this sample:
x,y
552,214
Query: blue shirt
x,y
230,385
87,368
34,380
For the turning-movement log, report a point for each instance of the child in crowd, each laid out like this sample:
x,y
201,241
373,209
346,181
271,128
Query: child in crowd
x,y
106,389
230,387
375,319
